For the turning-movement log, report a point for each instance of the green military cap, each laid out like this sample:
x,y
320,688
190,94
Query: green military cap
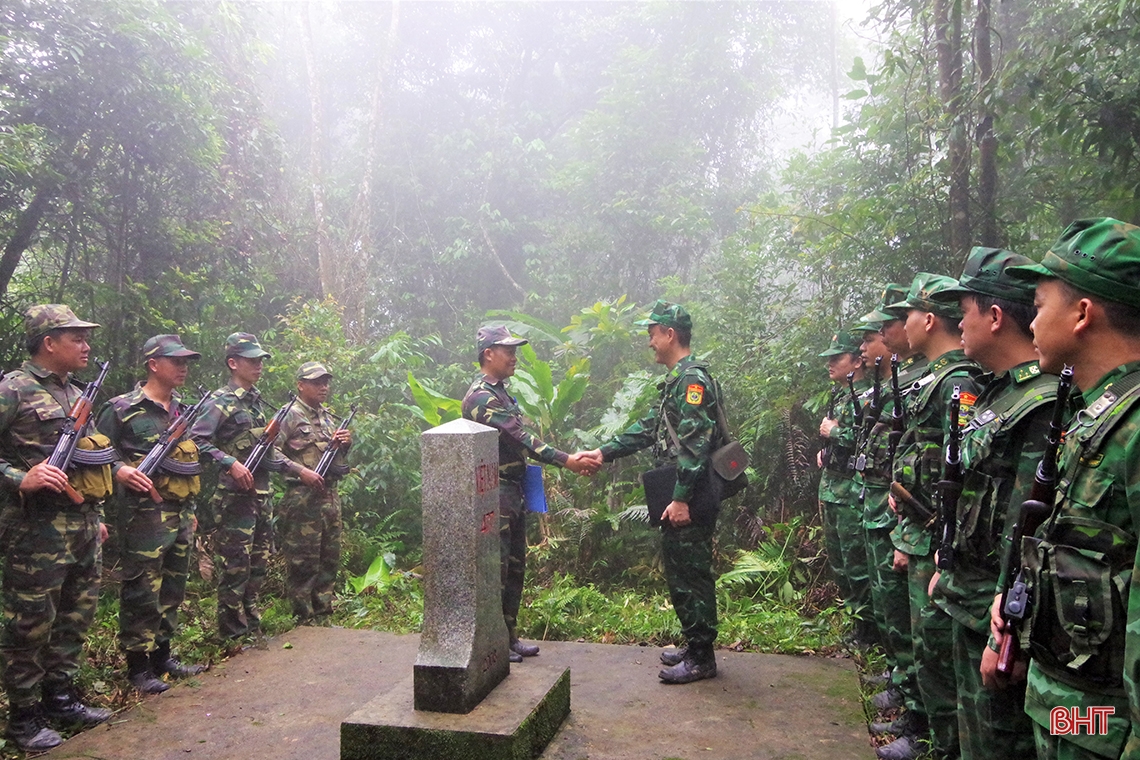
x,y
244,344
843,342
987,272
874,320
495,335
667,315
44,317
166,345
312,371
1097,256
922,295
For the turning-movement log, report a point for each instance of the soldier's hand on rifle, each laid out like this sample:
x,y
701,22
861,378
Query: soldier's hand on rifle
x,y
900,562
104,534
827,426
312,480
133,479
243,478
43,475
933,579
894,505
342,437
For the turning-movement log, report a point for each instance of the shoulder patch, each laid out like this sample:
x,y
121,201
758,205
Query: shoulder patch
x,y
966,404
694,394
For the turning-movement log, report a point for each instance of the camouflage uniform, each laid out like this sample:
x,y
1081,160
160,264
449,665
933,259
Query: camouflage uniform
x,y
488,402
226,431
52,555
688,400
156,536
918,468
1084,631
310,520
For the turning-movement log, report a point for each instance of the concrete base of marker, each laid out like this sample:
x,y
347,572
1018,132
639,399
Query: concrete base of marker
x,y
515,722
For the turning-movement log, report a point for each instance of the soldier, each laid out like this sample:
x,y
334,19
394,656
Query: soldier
x,y
931,328
488,402
52,556
889,594
1085,628
156,535
311,516
226,431
837,493
1000,450
681,429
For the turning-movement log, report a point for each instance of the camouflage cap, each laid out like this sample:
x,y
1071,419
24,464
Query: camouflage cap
x,y
166,345
922,296
44,317
312,371
246,345
883,313
843,342
1096,256
495,335
667,315
986,273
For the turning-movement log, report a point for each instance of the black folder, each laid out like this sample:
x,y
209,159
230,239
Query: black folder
x,y
659,484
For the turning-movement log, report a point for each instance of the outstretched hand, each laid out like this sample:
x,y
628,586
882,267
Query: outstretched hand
x,y
584,463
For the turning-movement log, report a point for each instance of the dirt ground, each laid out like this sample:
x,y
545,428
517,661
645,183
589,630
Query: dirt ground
x,y
288,701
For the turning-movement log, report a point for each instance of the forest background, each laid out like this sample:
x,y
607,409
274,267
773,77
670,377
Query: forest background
x,y
365,183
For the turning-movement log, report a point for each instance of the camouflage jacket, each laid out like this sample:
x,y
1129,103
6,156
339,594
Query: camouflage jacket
x,y
837,481
1085,625
134,422
1001,448
918,460
487,402
875,478
227,430
305,434
688,400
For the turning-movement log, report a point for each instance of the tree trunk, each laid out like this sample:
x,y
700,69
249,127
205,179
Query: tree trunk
x,y
987,140
948,44
26,228
326,262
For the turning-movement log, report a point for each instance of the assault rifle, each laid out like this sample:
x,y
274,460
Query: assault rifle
x,y
950,487
334,445
898,411
72,430
170,438
825,454
268,436
875,410
856,410
1015,597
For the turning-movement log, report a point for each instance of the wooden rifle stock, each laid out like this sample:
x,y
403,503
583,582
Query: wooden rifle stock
x,y
72,430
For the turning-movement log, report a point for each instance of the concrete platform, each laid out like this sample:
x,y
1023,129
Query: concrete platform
x,y
288,704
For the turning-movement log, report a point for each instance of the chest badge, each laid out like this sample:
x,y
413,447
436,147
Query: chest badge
x,y
694,394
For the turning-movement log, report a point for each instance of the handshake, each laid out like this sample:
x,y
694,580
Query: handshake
x,y
585,462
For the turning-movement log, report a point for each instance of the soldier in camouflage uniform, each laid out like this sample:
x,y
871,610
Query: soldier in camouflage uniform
x,y
52,557
681,429
1000,449
310,517
156,535
225,432
838,492
1084,631
932,329
488,402
889,593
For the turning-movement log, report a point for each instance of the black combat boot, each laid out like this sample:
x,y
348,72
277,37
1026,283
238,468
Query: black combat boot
x,y
61,704
29,729
161,661
141,676
674,656
697,665
909,723
523,650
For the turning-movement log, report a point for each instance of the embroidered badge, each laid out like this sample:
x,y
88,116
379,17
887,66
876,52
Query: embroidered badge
x,y
694,394
966,401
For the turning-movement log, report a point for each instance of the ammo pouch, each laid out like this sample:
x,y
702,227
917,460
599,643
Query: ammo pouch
x,y
1081,575
90,471
178,476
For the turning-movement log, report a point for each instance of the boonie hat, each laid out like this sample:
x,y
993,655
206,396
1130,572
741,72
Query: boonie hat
x,y
843,342
495,335
246,345
922,292
987,272
1098,256
166,345
667,315
312,371
44,317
